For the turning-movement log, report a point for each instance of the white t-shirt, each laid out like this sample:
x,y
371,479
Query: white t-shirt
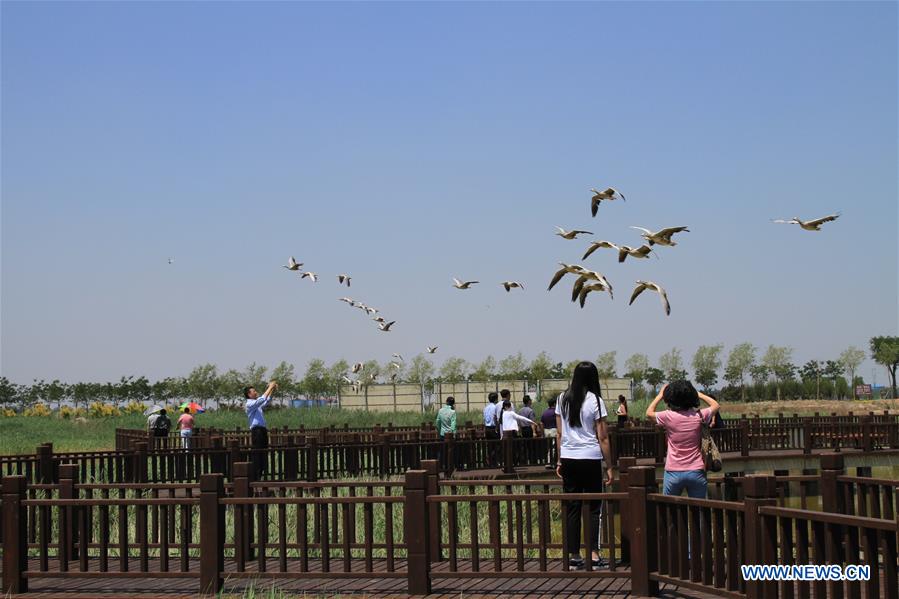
x,y
580,443
511,420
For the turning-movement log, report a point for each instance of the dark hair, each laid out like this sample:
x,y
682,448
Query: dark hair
x,y
492,397
551,402
450,401
680,395
187,410
584,379
162,412
505,393
526,400
507,404
246,391
622,399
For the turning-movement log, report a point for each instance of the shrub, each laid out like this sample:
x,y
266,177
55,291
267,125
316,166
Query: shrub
x,y
38,410
69,413
135,407
100,410
7,413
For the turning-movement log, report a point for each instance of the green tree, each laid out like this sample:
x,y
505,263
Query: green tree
x,y
811,371
420,371
778,361
541,367
9,393
512,367
635,368
851,359
254,376
672,364
317,382
56,393
885,351
284,374
833,370
654,376
739,361
202,383
371,370
706,362
485,370
454,370
607,365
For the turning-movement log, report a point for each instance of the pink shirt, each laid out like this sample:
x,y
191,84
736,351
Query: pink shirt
x,y
684,432
186,422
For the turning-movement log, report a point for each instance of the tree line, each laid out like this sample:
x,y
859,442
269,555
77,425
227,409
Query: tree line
x,y
749,374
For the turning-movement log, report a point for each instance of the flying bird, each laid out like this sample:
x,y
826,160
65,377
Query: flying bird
x,y
357,367
385,326
643,285
171,260
347,380
347,300
810,225
460,285
312,276
509,285
582,296
599,244
571,234
598,196
344,278
292,264
395,365
662,237
575,269
431,350
399,357
378,319
371,311
586,276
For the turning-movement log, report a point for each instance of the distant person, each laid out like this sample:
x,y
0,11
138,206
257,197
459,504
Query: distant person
x,y
511,420
548,420
504,395
159,424
446,418
622,411
186,428
684,465
527,431
583,438
258,431
491,430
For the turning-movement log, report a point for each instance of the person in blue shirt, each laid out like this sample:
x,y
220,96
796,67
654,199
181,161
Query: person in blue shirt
x,y
491,430
258,431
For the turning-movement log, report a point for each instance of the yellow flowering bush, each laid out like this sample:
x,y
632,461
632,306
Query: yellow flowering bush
x,y
7,413
135,407
38,410
101,410
69,412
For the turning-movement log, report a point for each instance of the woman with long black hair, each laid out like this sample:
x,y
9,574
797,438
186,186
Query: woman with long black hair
x,y
583,440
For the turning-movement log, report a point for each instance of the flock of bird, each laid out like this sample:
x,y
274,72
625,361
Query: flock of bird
x,y
586,282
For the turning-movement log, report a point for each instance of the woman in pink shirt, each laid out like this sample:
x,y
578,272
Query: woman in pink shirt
x,y
682,421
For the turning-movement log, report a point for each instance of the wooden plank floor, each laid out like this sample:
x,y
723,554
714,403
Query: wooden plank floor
x,y
517,587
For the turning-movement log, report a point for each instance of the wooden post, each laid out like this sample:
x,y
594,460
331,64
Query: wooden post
x,y
15,538
218,455
508,456
806,437
867,439
384,462
140,462
642,531
624,466
68,542
417,531
661,446
759,542
243,514
311,459
431,467
212,533
831,498
45,464
744,437
291,458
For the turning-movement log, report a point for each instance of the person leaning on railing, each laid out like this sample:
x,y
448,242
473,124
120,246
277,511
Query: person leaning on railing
x,y
684,465
582,436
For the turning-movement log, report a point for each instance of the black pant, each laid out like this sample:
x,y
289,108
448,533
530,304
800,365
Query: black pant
x,y
582,476
527,447
259,441
491,433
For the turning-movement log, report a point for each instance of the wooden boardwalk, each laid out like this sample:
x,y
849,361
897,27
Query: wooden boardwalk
x,y
547,585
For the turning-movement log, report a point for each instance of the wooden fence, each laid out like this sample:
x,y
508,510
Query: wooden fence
x,y
425,530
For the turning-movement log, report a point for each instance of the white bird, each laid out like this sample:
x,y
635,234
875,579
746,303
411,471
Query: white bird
x,y
431,350
362,306
586,276
571,234
385,326
171,260
598,196
342,278
357,367
810,225
576,269
357,386
373,377
643,285
582,296
378,319
347,300
370,311
599,244
395,365
509,285
312,276
662,237
399,357
623,250
460,285
292,264
347,380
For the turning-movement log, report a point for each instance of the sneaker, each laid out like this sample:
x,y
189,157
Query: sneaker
x,y
599,563
575,562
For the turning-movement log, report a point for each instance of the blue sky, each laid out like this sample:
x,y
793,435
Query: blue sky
x,y
407,143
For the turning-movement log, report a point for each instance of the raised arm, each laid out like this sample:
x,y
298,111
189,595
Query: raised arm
x,y
651,410
522,419
602,434
713,405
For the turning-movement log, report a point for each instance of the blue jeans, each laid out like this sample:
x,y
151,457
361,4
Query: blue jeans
x,y
693,481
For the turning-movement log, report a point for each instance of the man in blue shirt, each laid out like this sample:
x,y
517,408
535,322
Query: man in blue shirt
x,y
258,431
491,430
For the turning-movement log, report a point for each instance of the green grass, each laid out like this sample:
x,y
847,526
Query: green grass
x,y
22,434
